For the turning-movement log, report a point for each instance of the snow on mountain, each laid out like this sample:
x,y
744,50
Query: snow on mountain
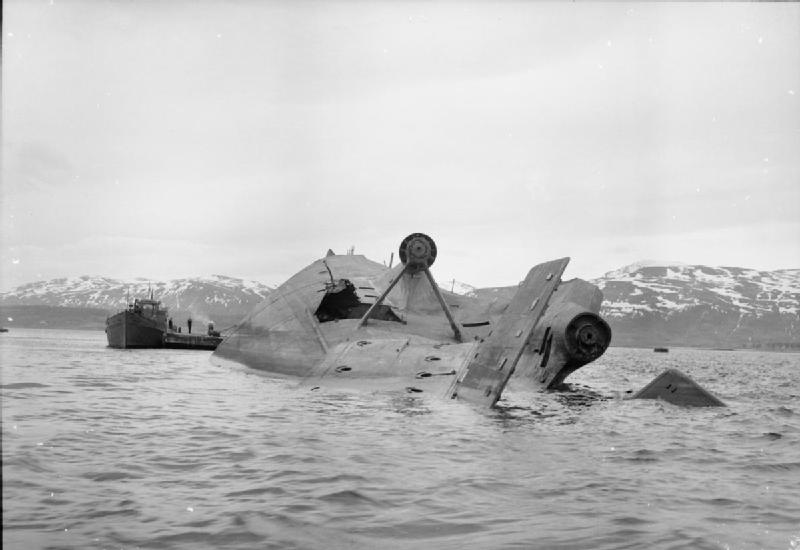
x,y
670,288
204,295
726,306
641,264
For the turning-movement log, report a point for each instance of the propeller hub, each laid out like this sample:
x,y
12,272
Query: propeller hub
x,y
417,252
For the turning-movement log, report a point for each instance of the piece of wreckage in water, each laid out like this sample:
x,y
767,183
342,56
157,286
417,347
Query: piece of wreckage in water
x,y
673,386
349,322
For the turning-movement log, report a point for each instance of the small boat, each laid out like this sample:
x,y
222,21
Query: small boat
x,y
182,340
145,324
3,329
661,350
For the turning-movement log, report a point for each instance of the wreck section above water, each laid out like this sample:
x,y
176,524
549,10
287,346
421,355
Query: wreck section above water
x,y
346,321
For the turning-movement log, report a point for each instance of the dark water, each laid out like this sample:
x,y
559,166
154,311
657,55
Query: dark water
x,y
161,449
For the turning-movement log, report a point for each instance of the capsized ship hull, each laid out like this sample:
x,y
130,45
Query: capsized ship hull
x,y
349,322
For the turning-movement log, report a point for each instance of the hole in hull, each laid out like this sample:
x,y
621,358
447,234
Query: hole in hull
x,y
342,302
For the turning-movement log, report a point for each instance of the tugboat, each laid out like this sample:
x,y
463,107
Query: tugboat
x,y
144,324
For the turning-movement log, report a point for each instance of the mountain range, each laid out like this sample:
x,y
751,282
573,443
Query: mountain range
x,y
662,304
646,303
219,299
697,305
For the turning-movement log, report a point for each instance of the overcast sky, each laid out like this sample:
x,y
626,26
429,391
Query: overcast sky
x,y
244,138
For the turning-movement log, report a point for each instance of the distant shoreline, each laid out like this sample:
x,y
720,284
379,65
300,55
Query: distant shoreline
x,y
777,347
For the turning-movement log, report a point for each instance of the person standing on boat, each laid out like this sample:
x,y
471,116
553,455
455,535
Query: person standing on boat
x,y
189,324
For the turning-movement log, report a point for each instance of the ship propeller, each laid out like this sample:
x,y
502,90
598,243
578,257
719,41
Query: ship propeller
x,y
417,252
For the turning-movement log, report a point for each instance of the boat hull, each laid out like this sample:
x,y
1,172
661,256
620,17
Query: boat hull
x,y
130,330
176,340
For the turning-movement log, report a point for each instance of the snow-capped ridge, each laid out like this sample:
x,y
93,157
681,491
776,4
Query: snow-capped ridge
x,y
636,266
216,292
739,306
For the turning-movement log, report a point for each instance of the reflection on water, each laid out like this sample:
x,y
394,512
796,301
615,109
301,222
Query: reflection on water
x,y
160,449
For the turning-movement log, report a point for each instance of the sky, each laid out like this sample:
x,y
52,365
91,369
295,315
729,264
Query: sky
x,y
185,138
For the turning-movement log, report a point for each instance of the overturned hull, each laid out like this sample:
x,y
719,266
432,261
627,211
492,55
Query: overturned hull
x,y
346,321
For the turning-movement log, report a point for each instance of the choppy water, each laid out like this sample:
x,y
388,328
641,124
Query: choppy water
x,y
111,448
